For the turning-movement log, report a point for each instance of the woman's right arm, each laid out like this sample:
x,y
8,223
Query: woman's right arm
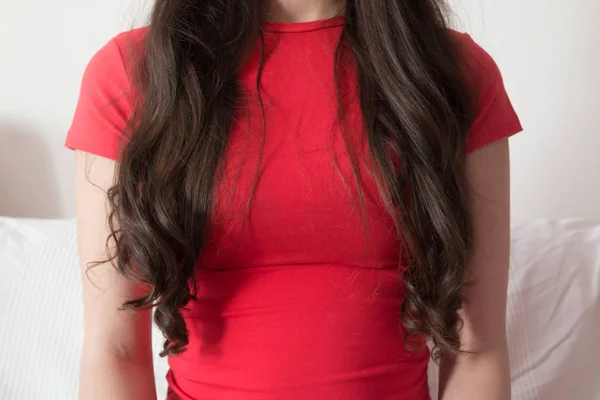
x,y
116,361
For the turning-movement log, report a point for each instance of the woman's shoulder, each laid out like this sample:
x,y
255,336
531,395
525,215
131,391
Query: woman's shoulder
x,y
495,116
122,52
113,66
132,40
107,97
136,35
475,57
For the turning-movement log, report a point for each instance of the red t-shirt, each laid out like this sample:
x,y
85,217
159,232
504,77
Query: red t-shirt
x,y
299,302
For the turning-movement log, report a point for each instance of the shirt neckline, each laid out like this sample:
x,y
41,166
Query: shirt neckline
x,y
291,27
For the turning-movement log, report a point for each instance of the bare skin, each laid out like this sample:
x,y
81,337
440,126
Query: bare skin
x,y
485,375
117,352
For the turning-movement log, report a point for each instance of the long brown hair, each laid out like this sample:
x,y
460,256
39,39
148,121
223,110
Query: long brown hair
x,y
416,106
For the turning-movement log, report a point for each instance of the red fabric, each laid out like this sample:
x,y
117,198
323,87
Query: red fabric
x,y
302,300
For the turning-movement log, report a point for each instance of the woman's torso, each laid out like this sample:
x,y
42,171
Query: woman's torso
x,y
299,297
300,292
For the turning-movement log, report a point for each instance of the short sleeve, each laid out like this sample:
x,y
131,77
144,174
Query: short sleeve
x,y
104,107
495,117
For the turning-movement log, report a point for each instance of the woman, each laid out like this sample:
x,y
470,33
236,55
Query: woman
x,y
303,191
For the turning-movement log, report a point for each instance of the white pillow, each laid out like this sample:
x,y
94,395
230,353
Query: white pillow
x,y
41,334
40,306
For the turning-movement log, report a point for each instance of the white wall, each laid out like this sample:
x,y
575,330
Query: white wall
x,y
547,50
44,48
548,53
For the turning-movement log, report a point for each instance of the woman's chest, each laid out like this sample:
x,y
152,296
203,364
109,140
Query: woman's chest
x,y
296,188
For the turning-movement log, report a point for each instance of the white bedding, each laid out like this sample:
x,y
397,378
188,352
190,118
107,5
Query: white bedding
x,y
553,311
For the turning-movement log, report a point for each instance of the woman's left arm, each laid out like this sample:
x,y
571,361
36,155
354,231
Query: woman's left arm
x,y
485,374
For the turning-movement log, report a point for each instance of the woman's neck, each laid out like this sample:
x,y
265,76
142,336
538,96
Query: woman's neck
x,y
304,10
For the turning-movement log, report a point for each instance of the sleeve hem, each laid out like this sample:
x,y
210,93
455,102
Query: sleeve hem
x,y
507,131
73,144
